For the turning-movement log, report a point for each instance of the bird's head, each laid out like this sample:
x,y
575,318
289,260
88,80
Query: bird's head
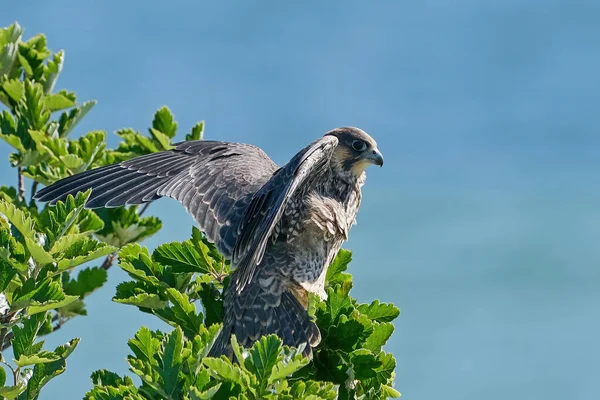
x,y
355,151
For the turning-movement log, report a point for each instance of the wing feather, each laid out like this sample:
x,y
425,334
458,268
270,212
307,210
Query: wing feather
x,y
269,202
213,180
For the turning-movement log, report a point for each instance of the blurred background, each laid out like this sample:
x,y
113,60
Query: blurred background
x,y
482,226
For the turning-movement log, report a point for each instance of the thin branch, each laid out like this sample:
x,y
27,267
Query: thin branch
x,y
21,183
108,261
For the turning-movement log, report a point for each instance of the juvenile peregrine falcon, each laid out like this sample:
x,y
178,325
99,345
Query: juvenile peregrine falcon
x,y
281,227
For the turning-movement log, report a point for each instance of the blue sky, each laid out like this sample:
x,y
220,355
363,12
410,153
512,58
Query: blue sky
x,y
482,226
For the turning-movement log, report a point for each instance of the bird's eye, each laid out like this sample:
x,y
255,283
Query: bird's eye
x,y
359,145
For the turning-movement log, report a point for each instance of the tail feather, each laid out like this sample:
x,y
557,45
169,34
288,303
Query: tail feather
x,y
252,314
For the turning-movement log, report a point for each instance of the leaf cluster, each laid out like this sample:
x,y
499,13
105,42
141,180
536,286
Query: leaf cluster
x,y
45,253
174,278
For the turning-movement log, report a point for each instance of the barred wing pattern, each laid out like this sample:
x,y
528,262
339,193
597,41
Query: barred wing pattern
x,y
215,181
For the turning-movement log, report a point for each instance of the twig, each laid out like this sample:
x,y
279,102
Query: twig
x,y
11,368
21,183
108,261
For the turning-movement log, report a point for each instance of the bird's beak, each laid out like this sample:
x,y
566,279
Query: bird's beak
x,y
374,156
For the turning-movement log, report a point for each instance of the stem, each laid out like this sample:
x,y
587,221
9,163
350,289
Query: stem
x,y
108,261
8,365
21,183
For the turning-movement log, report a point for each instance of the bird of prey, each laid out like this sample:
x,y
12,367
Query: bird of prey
x,y
281,227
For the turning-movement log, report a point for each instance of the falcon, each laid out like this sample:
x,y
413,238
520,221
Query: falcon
x,y
280,227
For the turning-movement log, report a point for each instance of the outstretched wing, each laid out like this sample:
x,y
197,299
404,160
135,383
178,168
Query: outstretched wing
x,y
215,181
268,204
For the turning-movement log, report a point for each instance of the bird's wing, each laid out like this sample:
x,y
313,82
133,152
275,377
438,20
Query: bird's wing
x,y
268,204
215,182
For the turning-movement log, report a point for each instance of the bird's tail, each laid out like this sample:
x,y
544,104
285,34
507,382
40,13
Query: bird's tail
x,y
260,310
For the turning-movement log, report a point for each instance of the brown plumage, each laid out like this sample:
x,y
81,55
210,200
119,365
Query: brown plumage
x,y
280,227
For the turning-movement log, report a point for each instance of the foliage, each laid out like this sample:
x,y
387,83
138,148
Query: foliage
x,y
48,266
44,253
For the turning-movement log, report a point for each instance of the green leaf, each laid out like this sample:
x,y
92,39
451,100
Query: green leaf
x,y
364,364
31,106
87,281
2,376
136,143
164,122
24,336
145,345
82,251
336,274
285,368
124,225
20,220
38,307
223,369
143,300
380,312
36,291
11,34
197,132
89,148
183,257
171,360
381,334
11,392
14,141
53,70
208,251
263,356
161,138
68,218
68,121
135,260
71,161
6,271
346,335
38,253
14,89
389,392
182,313
38,358
65,350
42,374
106,378
212,303
59,101
338,304
196,394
